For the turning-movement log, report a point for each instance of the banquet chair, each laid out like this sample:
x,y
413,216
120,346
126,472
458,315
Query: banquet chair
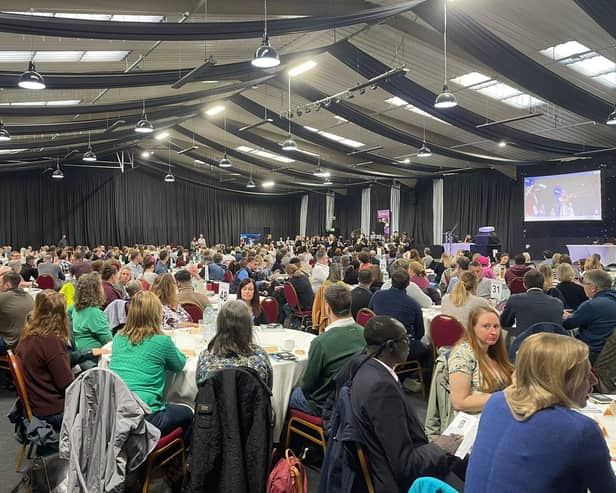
x,y
168,448
365,468
195,311
445,331
363,315
271,308
307,426
516,286
412,367
228,276
45,282
293,301
22,394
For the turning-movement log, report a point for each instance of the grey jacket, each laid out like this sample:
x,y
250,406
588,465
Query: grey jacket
x,y
104,433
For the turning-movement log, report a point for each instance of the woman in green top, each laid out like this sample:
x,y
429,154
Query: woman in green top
x,y
90,325
141,355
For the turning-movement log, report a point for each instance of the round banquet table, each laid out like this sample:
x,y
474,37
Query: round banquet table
x,y
181,387
428,315
607,423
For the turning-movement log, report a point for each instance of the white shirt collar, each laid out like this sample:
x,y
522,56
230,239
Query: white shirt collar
x,y
343,322
390,370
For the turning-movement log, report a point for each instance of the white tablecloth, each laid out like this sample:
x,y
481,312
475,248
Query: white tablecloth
x,y
595,411
454,248
181,387
428,315
607,252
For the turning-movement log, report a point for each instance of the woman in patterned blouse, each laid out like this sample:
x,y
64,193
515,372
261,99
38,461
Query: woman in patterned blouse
x,y
174,316
478,364
232,345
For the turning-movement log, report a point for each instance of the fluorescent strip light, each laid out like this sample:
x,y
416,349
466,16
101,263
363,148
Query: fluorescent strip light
x,y
10,151
64,102
137,18
564,50
352,143
85,17
268,184
104,56
304,67
244,149
58,56
146,154
15,56
161,135
342,119
29,103
214,110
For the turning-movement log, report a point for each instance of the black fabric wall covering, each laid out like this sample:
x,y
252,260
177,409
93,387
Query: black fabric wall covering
x,y
94,207
416,212
347,209
190,31
315,224
503,58
379,200
484,198
460,117
603,13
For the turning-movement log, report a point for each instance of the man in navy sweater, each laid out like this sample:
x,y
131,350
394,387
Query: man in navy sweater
x,y
596,318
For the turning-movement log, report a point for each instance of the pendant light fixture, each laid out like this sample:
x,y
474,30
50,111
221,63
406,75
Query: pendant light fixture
x,y
89,155
144,126
225,162
265,56
169,178
5,135
424,150
57,174
289,144
611,120
445,99
251,183
31,79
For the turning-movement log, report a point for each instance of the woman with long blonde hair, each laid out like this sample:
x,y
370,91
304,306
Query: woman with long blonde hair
x,y
530,436
478,364
174,316
43,351
463,298
141,355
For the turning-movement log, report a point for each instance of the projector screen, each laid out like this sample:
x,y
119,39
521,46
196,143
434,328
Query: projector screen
x,y
568,197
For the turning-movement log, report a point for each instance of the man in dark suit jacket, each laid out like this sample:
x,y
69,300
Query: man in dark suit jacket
x,y
534,306
394,441
360,296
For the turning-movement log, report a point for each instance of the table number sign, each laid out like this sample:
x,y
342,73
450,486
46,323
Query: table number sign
x,y
223,293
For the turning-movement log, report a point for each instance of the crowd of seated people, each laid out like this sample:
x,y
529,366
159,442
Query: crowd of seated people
x,y
576,296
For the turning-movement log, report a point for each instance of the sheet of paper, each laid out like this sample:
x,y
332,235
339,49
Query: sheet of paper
x,y
466,425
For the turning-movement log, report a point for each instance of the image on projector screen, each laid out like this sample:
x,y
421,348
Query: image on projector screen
x,y
568,197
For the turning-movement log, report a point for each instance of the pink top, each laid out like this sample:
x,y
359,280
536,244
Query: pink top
x,y
488,273
422,282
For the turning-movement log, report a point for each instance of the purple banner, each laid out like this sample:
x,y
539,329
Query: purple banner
x,y
384,217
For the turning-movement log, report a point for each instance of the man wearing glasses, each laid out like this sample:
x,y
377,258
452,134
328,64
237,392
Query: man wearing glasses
x,y
595,318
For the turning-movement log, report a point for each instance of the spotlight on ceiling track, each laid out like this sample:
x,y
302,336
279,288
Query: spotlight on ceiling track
x,y
611,120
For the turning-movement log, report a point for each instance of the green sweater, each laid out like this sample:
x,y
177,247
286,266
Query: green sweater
x,y
328,353
143,366
90,327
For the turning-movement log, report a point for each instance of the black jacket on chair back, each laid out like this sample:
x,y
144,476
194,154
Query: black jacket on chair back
x,y
232,434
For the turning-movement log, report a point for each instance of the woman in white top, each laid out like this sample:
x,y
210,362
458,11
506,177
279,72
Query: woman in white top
x,y
463,299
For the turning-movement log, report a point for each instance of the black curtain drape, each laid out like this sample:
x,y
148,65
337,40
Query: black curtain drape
x,y
189,31
603,13
347,209
379,200
416,212
93,207
315,223
422,98
484,198
503,58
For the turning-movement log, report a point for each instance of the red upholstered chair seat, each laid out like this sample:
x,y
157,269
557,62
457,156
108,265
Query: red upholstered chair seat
x,y
315,420
169,437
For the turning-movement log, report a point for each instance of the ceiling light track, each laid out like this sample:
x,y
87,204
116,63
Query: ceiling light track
x,y
347,93
509,120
